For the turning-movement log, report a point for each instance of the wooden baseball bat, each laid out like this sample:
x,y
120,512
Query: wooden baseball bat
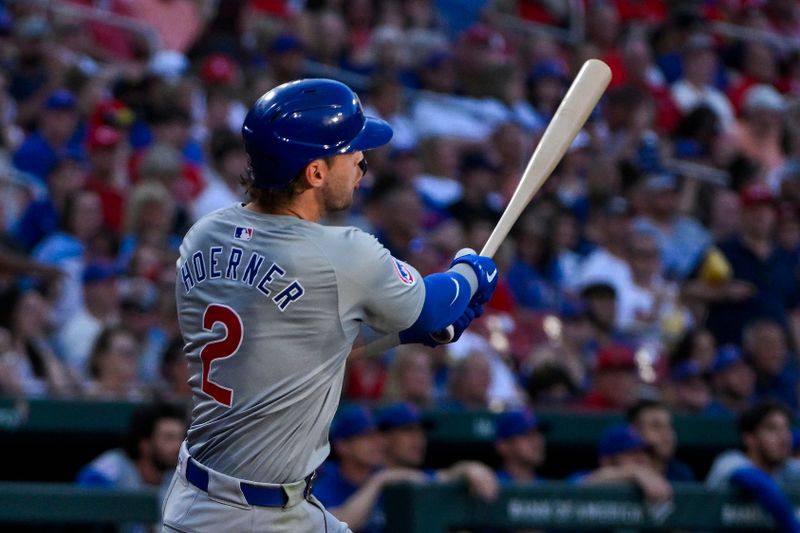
x,y
569,118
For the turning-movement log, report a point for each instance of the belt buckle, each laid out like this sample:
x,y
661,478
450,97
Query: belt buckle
x,y
309,484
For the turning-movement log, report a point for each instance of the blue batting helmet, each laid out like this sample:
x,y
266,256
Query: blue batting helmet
x,y
297,122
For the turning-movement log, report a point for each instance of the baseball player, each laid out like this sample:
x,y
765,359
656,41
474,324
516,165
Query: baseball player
x,y
270,302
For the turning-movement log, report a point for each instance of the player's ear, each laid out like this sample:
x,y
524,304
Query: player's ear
x,y
316,172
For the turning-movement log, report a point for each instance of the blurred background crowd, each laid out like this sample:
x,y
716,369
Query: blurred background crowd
x,y
659,261
655,273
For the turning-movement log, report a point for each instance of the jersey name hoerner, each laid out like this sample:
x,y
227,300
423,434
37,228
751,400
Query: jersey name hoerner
x,y
269,307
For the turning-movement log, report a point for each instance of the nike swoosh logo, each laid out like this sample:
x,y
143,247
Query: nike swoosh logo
x,y
490,277
458,290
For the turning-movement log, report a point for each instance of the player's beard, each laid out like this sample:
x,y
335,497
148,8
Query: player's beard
x,y
336,196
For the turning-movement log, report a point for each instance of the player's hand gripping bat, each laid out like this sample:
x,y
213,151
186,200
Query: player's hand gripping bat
x,y
569,118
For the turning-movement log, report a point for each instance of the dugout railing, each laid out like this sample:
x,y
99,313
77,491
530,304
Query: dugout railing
x,y
559,506
434,508
51,504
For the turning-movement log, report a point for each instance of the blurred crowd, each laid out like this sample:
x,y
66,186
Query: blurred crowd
x,y
659,261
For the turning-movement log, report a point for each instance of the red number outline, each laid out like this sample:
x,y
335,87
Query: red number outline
x,y
223,348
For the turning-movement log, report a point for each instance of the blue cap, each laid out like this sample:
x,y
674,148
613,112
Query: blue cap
x,y
437,58
399,415
96,272
71,154
6,22
61,99
352,421
620,439
572,309
727,356
686,370
286,43
548,68
513,423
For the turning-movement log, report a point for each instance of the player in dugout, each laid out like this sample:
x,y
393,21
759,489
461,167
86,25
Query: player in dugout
x,y
270,302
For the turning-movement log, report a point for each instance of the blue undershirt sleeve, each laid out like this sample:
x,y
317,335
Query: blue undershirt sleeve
x,y
447,296
768,494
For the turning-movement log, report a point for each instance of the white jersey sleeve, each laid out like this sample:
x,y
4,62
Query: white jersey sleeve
x,y
384,292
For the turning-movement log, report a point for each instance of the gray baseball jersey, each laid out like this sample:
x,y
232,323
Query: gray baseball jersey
x,y
269,307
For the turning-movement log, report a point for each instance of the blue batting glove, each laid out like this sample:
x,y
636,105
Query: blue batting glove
x,y
410,336
486,272
473,311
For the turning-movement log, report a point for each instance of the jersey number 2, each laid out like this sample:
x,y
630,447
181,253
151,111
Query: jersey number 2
x,y
225,347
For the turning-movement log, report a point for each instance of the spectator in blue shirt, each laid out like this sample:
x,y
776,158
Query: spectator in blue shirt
x,y
687,389
403,428
680,238
732,381
57,132
149,456
765,343
763,281
41,216
653,421
520,444
764,464
624,459
68,249
350,488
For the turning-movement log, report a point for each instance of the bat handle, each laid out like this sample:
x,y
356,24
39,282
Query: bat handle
x,y
444,336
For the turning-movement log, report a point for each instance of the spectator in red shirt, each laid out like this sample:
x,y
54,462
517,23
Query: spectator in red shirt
x,y
616,381
170,128
107,177
641,71
759,65
649,12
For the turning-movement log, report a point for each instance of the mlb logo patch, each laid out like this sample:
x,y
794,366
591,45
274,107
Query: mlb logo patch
x,y
242,233
403,272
